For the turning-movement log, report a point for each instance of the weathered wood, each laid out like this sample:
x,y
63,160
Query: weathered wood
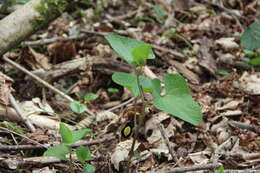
x,y
25,21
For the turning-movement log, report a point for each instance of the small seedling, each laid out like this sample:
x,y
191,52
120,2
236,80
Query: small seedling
x,y
90,97
68,138
12,126
223,73
160,13
173,98
113,90
220,170
77,107
254,59
251,36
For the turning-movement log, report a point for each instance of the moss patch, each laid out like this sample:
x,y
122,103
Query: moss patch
x,y
48,10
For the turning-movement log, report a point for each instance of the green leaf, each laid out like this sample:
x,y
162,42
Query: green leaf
x,y
255,61
77,107
66,134
246,60
89,169
140,54
58,151
220,170
249,53
83,154
22,1
160,13
177,99
124,45
79,134
127,131
12,126
223,72
113,90
251,37
130,82
90,97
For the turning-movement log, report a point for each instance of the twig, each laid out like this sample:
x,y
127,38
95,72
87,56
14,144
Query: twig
x,y
46,84
174,53
241,171
20,113
122,104
166,140
25,137
43,146
191,168
232,13
54,39
227,145
223,8
14,163
245,126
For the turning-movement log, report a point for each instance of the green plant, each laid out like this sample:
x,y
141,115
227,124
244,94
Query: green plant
x,y
113,90
173,98
251,57
77,107
90,97
160,13
223,73
251,36
68,138
220,170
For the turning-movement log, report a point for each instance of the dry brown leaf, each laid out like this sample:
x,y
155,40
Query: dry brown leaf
x,y
62,51
39,60
250,83
227,43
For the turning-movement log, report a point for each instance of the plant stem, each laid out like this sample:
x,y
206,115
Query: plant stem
x,y
139,121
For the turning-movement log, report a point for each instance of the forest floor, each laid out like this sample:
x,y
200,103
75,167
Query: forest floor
x,y
199,40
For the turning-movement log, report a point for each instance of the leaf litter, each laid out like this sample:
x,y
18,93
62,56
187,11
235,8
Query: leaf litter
x,y
208,39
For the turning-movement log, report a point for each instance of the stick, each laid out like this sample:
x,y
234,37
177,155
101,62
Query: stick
x,y
166,140
25,137
54,39
44,146
241,171
122,104
245,126
20,113
46,84
191,168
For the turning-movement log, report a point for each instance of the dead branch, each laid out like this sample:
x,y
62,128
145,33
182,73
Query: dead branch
x,y
25,21
191,168
20,113
166,140
43,146
245,126
241,171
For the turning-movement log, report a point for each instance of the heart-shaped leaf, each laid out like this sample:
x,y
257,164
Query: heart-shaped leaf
x,y
90,97
130,82
77,107
89,169
251,37
177,99
66,134
58,151
140,54
124,46
83,154
79,134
